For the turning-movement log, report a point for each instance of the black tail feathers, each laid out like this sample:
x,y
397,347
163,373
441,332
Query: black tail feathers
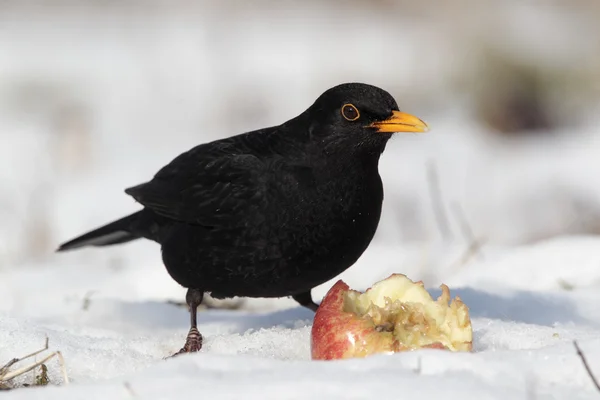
x,y
114,233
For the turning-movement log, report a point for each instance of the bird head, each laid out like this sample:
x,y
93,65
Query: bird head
x,y
360,117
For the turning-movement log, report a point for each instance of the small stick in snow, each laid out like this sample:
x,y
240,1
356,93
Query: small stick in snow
x,y
585,364
467,231
466,256
87,300
9,364
419,367
437,201
4,370
475,245
530,386
129,389
6,376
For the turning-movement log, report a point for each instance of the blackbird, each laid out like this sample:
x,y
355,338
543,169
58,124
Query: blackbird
x,y
272,212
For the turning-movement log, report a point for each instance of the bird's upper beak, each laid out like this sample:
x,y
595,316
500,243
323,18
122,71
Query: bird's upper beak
x,y
400,122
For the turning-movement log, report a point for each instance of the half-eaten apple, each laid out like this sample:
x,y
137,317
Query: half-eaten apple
x,y
395,314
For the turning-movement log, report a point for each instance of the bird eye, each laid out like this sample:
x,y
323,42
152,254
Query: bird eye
x,y
350,112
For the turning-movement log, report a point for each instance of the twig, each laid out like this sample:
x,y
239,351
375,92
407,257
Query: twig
x,y
9,364
419,367
437,201
63,368
87,300
466,230
6,376
585,364
129,389
475,244
12,362
26,369
466,256
530,387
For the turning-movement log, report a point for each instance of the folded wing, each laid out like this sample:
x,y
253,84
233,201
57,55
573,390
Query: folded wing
x,y
208,188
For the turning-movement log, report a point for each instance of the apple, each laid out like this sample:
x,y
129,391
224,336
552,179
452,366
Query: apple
x,y
395,314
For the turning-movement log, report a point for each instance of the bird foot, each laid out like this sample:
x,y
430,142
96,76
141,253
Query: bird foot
x,y
193,343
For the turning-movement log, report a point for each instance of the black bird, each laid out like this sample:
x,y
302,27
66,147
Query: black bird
x,y
273,212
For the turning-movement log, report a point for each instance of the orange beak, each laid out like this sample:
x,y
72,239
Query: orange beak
x,y
400,122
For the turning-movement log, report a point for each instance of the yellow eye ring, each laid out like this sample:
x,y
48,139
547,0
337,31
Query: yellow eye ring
x,y
350,112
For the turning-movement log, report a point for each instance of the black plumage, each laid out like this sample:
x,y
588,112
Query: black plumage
x,y
273,212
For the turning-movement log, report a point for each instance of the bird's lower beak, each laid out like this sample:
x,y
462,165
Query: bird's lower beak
x,y
400,122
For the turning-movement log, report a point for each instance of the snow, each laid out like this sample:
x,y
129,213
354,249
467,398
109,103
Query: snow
x,y
92,102
523,334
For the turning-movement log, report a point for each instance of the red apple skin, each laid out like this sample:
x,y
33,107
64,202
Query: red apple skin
x,y
337,334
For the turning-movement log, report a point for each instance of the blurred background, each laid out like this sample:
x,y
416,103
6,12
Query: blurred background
x,y
96,96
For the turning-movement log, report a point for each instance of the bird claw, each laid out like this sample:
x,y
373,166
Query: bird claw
x,y
193,343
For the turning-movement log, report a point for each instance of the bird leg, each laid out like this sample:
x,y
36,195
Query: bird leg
x,y
305,300
193,342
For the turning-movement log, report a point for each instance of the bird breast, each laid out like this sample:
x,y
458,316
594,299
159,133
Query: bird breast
x,y
328,215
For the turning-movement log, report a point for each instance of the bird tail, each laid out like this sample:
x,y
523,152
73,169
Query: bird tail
x,y
113,233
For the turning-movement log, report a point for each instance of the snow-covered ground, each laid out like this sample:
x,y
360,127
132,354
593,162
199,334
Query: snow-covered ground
x,y
95,101
527,304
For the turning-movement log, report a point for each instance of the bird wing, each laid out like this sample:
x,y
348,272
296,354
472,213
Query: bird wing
x,y
206,186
